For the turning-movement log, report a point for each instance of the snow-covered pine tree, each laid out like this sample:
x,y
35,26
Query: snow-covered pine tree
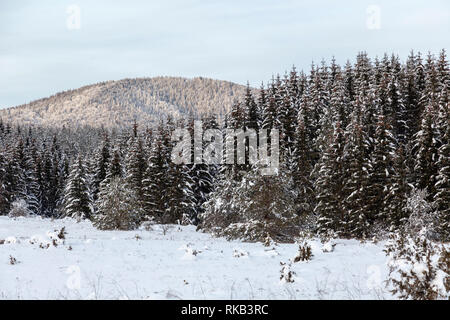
x,y
319,105
178,192
154,183
288,111
426,153
115,167
77,201
135,166
356,167
261,104
395,202
32,185
381,170
4,194
329,185
270,109
442,197
254,207
102,159
411,96
202,176
251,110
117,206
302,166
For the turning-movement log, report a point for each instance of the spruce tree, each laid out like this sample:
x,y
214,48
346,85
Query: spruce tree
x,y
357,167
102,159
395,202
329,186
381,169
426,154
117,206
77,200
442,197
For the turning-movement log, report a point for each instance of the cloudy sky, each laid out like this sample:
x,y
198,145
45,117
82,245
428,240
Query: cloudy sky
x,y
49,46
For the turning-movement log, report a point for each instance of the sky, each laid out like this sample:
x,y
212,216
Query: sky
x,y
50,46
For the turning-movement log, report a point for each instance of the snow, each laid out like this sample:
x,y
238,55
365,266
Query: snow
x,y
176,263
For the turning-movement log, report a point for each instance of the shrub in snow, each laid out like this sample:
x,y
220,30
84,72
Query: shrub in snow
x,y
117,207
57,237
190,253
419,268
268,241
19,208
62,233
286,274
53,238
423,217
304,252
11,240
147,225
12,260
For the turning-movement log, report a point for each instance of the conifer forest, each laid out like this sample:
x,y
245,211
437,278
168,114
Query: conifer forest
x,y
225,155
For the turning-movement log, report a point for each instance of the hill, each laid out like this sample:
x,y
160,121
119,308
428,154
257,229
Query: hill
x,y
119,103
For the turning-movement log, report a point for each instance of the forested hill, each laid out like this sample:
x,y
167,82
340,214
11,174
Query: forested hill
x,y
119,103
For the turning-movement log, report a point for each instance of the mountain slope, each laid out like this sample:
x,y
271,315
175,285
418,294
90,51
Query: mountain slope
x,y
119,103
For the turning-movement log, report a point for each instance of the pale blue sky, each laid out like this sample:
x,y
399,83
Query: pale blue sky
x,y
228,39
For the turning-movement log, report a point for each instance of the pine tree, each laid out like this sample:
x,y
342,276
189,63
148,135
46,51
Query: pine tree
x,y
4,195
202,178
381,170
288,110
302,166
395,202
251,110
117,206
425,168
77,200
154,183
254,207
102,159
329,186
135,166
357,167
442,197
411,97
178,194
270,110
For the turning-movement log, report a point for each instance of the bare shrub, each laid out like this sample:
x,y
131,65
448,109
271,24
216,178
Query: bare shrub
x,y
12,260
304,252
286,274
62,233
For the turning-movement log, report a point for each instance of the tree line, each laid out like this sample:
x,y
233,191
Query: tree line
x,y
357,142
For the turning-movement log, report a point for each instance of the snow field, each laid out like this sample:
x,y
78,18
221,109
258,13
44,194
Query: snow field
x,y
176,263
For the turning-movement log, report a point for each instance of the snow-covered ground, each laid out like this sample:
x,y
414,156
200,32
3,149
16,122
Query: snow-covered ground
x,y
178,263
